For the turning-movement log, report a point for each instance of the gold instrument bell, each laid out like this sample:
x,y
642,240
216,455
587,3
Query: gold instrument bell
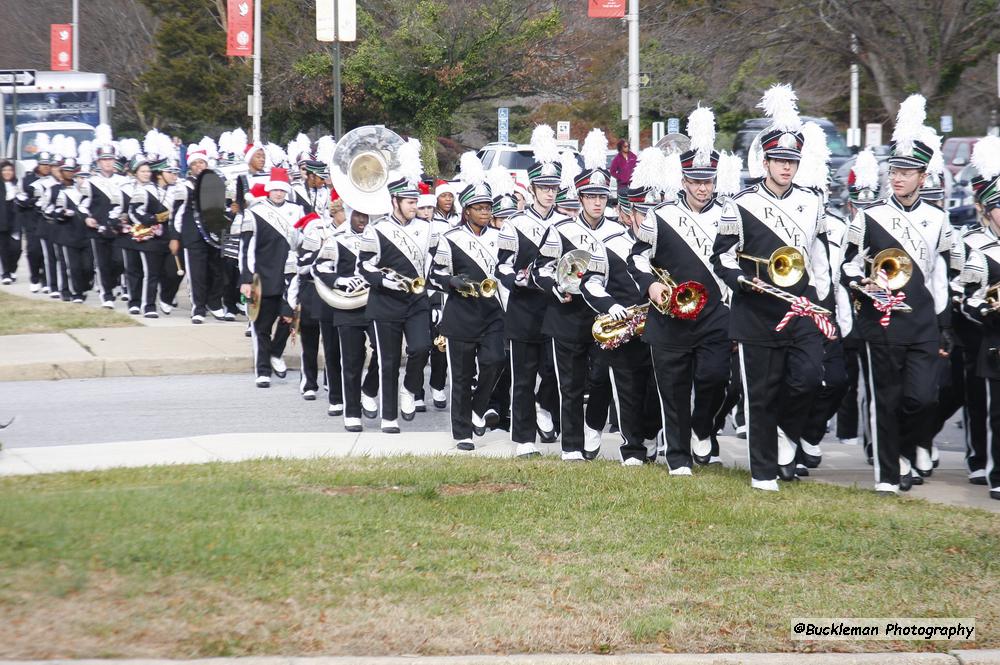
x,y
896,264
415,285
683,301
472,289
785,266
256,295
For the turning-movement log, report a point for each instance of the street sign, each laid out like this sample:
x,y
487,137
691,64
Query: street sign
x,y
673,125
946,124
503,118
17,76
562,130
873,134
645,80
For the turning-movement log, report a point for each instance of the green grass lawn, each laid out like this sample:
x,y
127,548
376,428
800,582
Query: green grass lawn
x,y
467,555
19,316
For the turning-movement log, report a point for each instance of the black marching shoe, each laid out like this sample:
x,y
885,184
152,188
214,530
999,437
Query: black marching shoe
x,y
978,480
465,445
916,479
905,482
786,472
801,470
995,494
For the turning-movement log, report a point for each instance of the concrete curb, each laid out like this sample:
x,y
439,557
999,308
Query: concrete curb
x,y
985,657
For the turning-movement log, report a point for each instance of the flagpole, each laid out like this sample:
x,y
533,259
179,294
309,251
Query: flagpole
x,y
76,35
256,70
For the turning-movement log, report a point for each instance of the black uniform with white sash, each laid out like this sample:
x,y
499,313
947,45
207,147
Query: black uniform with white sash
x,y
902,357
781,371
102,200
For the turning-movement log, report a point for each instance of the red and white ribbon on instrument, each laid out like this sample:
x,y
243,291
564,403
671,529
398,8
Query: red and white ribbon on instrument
x,y
802,307
891,299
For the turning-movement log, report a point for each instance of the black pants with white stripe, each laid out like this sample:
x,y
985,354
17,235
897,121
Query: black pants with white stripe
x,y
79,263
108,262
993,434
526,359
170,281
703,369
310,333
598,390
963,389
847,412
571,373
50,264
902,389
36,258
779,385
62,270
471,362
205,277
389,339
144,292
830,394
270,310
638,418
353,354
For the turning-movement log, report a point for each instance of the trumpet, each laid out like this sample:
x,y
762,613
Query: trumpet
x,y
897,267
441,342
472,289
681,301
414,285
611,334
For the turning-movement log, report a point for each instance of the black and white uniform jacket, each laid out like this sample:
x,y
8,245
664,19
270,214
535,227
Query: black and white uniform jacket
x,y
756,222
312,200
675,238
839,298
982,269
102,200
460,252
338,259
268,244
8,211
616,286
187,223
72,228
302,289
519,240
572,321
923,231
151,205
387,243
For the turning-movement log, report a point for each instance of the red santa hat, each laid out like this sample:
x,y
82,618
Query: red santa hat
x,y
250,150
279,181
304,222
195,153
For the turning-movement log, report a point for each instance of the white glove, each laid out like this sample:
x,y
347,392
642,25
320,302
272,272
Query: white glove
x,y
350,284
521,278
435,316
560,296
617,312
392,285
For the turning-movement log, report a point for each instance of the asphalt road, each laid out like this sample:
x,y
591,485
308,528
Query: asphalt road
x,y
52,413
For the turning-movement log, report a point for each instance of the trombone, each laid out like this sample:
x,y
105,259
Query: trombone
x,y
414,285
473,289
684,301
785,267
898,269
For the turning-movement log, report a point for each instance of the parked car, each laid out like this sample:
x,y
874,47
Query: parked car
x,y
839,152
957,151
515,157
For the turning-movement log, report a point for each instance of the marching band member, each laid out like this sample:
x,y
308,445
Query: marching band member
x,y
393,262
102,208
438,357
983,269
780,351
689,332
519,241
568,318
902,349
73,239
269,237
30,189
472,319
337,267
54,230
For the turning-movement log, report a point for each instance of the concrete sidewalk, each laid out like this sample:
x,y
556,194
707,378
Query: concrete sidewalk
x,y
956,657
842,465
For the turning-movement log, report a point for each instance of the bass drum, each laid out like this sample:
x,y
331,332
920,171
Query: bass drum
x,y
210,199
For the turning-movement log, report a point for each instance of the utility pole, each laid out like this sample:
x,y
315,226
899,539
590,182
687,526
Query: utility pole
x,y
76,35
854,135
338,124
257,29
633,74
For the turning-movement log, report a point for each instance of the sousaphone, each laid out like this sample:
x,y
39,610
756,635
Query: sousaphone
x,y
360,168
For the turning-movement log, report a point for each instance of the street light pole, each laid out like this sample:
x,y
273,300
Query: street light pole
x,y
633,74
338,125
854,137
76,35
257,29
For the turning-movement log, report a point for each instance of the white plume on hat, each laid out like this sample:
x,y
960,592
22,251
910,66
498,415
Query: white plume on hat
x,y
102,134
701,130
470,169
672,175
933,141
814,167
238,142
500,180
570,168
298,145
986,157
85,154
727,178
325,147
543,144
649,169
595,149
208,145
275,154
56,145
866,170
42,142
69,147
129,148
410,166
157,144
780,105
909,123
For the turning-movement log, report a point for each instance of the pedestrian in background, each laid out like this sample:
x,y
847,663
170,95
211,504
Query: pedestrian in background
x,y
621,167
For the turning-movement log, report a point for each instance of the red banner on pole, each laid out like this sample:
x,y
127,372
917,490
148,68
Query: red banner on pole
x,y
61,47
606,8
239,34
